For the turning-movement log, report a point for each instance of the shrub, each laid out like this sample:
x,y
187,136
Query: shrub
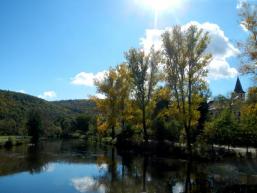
x,y
10,142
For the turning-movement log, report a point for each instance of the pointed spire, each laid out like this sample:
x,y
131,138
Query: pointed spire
x,y
238,87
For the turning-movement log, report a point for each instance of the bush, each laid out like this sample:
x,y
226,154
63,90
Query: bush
x,y
10,142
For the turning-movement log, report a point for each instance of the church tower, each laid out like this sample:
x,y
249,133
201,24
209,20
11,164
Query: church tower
x,y
239,93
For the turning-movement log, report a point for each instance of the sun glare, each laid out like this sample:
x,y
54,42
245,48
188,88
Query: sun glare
x,y
161,5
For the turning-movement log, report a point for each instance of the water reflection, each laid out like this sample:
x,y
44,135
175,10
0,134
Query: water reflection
x,y
88,184
72,166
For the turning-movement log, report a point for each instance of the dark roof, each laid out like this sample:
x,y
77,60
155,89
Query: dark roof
x,y
238,87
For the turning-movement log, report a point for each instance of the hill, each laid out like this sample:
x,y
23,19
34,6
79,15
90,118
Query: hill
x,y
15,107
77,106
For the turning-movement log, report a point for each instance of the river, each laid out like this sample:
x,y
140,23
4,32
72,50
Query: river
x,y
77,167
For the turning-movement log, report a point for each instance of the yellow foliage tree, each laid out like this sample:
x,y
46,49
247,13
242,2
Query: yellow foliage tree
x,y
115,107
185,68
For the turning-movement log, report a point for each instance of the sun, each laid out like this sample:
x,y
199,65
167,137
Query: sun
x,y
161,5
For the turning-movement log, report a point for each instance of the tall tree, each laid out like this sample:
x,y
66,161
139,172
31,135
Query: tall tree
x,y
108,107
123,89
115,108
248,16
34,126
185,68
248,119
143,68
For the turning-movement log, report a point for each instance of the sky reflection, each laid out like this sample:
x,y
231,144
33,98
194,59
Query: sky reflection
x,y
87,184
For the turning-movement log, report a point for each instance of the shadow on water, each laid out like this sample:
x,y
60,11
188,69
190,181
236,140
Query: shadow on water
x,y
115,172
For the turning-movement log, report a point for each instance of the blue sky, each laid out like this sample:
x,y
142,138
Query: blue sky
x,y
53,48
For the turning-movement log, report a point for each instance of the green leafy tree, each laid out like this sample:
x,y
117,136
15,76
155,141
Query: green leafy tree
x,y
82,123
248,122
222,129
144,73
248,119
185,67
34,126
66,124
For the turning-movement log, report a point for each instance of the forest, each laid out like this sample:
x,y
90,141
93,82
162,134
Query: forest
x,y
57,118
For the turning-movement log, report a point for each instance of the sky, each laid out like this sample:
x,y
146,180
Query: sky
x,y
54,49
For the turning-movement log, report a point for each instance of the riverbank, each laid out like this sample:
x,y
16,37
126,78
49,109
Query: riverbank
x,y
9,141
200,152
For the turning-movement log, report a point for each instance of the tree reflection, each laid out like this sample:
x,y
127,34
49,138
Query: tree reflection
x,y
132,173
145,163
35,159
113,168
188,185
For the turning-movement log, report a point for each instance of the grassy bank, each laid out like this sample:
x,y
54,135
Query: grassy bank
x,y
8,141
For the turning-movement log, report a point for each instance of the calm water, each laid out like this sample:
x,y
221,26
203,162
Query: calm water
x,y
74,167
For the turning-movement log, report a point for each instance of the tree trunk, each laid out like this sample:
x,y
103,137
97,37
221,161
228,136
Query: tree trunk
x,y
144,125
113,133
188,137
123,124
189,112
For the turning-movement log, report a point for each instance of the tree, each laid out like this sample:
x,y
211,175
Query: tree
x,y
185,67
143,68
252,95
160,115
83,122
222,129
34,126
248,123
67,126
248,16
108,107
248,119
123,89
115,108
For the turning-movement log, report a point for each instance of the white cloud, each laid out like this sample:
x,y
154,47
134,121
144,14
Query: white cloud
x,y
100,96
87,184
103,166
243,27
48,95
239,6
240,3
220,47
153,38
22,91
219,69
87,78
49,168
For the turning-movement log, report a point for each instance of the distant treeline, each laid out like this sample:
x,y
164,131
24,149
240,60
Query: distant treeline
x,y
57,119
